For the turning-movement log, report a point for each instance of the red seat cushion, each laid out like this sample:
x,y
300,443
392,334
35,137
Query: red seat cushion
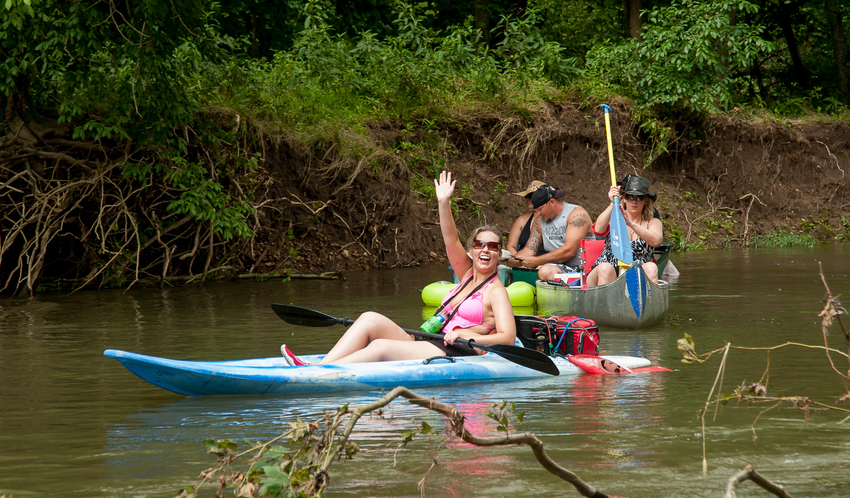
x,y
592,250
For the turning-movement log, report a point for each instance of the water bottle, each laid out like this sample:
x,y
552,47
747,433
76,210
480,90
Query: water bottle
x,y
434,324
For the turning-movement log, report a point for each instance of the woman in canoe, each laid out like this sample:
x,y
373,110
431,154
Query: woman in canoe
x,y
478,308
644,230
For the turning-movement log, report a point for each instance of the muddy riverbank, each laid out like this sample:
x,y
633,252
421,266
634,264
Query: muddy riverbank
x,y
733,184
363,199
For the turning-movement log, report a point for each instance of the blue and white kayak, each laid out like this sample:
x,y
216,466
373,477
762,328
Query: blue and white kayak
x,y
274,376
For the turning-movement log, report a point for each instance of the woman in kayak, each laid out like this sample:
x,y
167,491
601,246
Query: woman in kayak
x,y
478,308
645,231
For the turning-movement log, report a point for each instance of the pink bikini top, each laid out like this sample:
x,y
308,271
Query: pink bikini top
x,y
470,312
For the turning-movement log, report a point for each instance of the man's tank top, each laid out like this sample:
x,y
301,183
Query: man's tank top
x,y
554,232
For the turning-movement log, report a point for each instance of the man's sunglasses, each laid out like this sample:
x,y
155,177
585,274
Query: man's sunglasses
x,y
479,244
630,197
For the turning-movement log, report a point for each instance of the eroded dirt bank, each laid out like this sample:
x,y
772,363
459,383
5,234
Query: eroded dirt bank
x,y
736,181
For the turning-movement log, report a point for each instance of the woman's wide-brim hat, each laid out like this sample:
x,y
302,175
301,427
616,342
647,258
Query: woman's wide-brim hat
x,y
637,185
532,187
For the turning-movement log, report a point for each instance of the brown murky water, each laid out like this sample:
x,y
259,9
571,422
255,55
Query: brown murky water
x,y
74,423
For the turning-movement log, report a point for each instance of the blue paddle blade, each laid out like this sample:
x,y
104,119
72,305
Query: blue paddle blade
x,y
620,243
637,289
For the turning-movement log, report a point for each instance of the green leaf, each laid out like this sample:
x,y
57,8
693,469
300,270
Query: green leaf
x,y
274,483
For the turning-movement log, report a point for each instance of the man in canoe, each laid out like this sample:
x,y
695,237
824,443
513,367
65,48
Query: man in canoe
x,y
477,309
557,232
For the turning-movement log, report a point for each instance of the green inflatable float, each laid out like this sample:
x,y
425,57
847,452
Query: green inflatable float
x,y
521,294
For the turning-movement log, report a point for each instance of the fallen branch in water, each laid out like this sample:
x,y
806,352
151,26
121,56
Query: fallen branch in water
x,y
456,420
832,309
301,466
750,474
317,445
756,392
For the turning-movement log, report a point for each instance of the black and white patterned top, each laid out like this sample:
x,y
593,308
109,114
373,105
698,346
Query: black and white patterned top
x,y
641,251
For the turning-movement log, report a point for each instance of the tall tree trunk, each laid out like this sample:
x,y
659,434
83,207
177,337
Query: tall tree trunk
x,y
756,72
482,19
833,13
254,42
801,73
631,18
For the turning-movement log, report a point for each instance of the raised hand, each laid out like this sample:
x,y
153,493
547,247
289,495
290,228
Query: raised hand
x,y
444,186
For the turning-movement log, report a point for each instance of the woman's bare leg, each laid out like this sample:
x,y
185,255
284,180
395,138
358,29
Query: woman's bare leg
x,y
368,327
651,271
602,274
391,349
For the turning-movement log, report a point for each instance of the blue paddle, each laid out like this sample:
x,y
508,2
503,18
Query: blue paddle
x,y
621,245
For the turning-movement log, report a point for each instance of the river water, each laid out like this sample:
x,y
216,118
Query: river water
x,y
74,423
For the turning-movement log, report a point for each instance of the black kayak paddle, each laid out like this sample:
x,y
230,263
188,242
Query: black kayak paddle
x,y
528,358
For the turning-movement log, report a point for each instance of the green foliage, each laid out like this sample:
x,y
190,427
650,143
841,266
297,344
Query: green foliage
x,y
674,234
503,414
688,348
720,224
845,228
783,238
496,197
464,200
290,238
119,71
126,75
525,55
687,59
205,199
818,227
658,134
290,469
423,186
579,25
299,89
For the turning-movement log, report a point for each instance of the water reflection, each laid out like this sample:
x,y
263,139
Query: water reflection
x,y
100,431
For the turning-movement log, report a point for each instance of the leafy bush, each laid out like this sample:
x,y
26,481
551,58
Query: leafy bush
x,y
328,81
687,59
783,238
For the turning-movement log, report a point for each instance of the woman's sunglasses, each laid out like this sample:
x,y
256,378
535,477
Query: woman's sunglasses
x,y
479,244
630,197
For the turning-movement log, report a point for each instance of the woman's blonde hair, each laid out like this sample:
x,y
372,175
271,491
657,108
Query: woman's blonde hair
x,y
485,228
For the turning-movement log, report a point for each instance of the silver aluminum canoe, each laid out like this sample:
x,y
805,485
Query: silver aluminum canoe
x,y
632,301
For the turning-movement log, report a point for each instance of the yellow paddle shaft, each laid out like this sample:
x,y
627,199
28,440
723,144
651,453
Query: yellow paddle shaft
x,y
610,150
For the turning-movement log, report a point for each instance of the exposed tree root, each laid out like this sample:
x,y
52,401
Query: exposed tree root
x,y
70,214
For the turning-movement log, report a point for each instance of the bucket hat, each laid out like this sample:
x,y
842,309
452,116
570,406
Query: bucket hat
x,y
637,185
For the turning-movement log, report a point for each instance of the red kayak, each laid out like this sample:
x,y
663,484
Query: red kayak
x,y
600,366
